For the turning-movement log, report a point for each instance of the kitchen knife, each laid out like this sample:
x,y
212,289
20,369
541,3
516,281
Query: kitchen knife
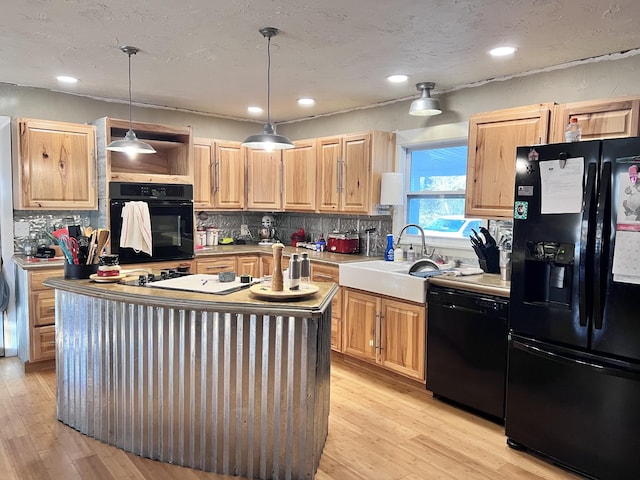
x,y
477,237
489,240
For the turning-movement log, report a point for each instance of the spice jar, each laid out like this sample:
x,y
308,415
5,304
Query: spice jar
x,y
109,266
212,236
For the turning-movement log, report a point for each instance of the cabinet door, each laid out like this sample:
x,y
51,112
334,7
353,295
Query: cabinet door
x,y
598,119
266,264
203,176
217,265
248,264
329,172
360,335
403,338
57,166
356,175
299,165
265,180
329,273
229,176
43,343
493,138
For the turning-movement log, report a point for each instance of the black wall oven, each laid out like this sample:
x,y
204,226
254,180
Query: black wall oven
x,y
171,215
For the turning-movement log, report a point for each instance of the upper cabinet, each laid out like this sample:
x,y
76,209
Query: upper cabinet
x,y
598,119
219,180
264,177
299,167
56,166
493,138
349,171
172,162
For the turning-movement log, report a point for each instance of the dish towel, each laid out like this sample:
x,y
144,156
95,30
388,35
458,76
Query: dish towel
x,y
136,227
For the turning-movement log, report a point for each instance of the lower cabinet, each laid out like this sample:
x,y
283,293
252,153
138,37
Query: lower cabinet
x,y
330,273
241,264
385,331
42,316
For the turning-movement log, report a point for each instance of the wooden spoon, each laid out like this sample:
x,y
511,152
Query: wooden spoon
x,y
103,237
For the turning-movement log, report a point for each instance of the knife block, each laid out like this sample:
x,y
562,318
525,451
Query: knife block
x,y
491,262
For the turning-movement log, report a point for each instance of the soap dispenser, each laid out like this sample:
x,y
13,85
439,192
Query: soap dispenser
x,y
411,254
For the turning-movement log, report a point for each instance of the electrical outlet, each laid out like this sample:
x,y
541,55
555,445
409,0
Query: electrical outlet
x,y
21,229
244,229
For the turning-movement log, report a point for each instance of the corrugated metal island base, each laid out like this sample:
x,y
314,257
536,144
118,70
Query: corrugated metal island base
x,y
227,384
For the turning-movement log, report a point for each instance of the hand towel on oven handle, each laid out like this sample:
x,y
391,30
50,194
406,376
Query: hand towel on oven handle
x,y
136,227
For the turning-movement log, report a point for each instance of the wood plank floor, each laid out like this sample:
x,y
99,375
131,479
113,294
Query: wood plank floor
x,y
379,428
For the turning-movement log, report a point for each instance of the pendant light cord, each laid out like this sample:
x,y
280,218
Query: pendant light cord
x,y
269,80
130,117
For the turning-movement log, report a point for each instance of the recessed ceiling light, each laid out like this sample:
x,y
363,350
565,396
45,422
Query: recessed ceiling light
x,y
306,102
502,51
255,110
398,78
66,79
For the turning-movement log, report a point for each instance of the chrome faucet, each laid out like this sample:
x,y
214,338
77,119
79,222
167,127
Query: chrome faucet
x,y
424,244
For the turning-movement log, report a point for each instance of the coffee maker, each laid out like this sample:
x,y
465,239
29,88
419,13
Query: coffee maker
x,y
267,232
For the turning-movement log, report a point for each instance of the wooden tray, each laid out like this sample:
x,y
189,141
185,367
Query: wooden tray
x,y
260,291
112,279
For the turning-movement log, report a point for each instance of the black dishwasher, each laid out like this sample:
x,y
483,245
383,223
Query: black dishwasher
x,y
467,348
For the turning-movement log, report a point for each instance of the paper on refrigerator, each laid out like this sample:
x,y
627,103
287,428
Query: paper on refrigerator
x,y
561,185
626,253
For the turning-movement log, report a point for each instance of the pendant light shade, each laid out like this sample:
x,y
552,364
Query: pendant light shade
x,y
130,143
425,105
268,140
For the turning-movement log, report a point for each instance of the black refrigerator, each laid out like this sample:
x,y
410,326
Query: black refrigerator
x,y
573,381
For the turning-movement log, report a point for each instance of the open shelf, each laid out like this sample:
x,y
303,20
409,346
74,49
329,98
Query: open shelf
x,y
171,164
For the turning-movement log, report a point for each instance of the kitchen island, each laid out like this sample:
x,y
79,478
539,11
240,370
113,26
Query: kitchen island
x,y
228,384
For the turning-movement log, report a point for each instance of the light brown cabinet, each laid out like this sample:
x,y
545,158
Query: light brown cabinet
x,y
493,138
172,162
384,331
299,172
266,264
598,119
329,273
350,169
56,167
216,265
264,180
248,264
42,315
203,178
241,264
219,179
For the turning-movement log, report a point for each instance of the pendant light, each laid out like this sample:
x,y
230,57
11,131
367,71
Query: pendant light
x,y
268,140
130,143
425,105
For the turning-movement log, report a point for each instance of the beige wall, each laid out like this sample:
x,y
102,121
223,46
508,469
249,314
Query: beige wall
x,y
590,80
46,105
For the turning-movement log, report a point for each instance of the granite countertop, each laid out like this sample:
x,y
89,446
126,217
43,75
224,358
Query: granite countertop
x,y
239,301
31,263
488,283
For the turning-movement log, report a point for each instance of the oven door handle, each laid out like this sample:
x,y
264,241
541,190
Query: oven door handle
x,y
179,230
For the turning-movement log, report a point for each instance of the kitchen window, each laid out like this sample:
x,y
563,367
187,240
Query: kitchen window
x,y
436,174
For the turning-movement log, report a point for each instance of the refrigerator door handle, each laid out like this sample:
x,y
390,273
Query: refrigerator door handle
x,y
570,360
601,255
585,247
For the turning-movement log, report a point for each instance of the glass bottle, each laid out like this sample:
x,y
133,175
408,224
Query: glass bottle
x,y
294,272
305,270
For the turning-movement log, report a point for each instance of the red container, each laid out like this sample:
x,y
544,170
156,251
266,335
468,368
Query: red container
x,y
346,242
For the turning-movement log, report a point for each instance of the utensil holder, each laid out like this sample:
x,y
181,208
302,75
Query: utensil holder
x,y
79,272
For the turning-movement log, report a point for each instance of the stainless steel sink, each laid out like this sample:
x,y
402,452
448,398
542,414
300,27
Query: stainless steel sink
x,y
384,278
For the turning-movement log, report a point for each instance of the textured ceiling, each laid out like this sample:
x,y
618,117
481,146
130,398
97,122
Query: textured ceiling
x,y
208,56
